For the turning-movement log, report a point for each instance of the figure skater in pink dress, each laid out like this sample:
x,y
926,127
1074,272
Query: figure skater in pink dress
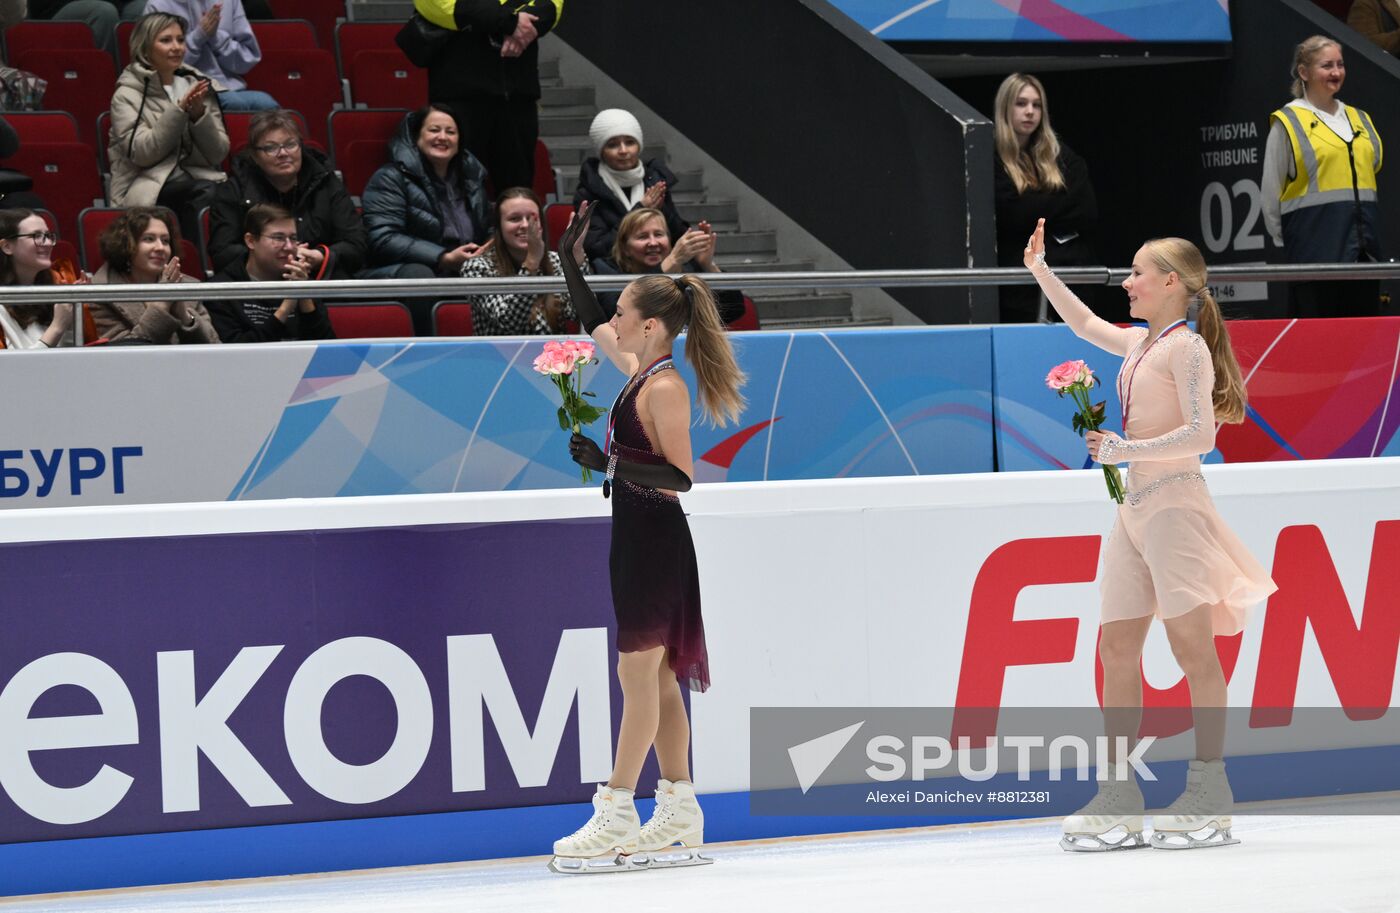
x,y
1170,554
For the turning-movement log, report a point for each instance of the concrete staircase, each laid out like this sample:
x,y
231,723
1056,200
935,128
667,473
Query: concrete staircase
x,y
565,114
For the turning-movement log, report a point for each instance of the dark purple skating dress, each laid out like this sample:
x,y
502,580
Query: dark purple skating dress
x,y
655,583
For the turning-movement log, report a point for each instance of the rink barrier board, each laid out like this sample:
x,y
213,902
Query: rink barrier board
x,y
106,863
364,843
346,419
768,626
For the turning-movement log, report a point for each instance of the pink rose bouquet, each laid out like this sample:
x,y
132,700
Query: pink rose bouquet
x,y
1075,378
563,361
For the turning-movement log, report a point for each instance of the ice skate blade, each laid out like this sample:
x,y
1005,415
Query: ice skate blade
x,y
1094,843
670,858
1187,840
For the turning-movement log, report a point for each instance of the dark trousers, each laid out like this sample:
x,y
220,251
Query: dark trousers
x,y
501,132
185,197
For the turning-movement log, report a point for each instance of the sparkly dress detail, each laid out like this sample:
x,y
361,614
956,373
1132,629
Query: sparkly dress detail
x,y
655,581
1170,550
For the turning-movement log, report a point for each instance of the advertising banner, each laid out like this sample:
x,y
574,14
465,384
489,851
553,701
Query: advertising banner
x,y
342,419
368,658
1065,21
1318,389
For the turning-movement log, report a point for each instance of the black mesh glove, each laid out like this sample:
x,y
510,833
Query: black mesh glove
x,y
652,475
590,312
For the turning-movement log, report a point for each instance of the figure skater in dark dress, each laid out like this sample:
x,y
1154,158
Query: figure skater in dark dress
x,y
655,585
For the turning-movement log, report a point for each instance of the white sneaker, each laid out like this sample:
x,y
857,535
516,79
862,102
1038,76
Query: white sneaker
x,y
677,818
1200,816
1117,806
614,827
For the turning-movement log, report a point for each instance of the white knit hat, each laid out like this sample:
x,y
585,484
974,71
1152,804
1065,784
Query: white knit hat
x,y
612,122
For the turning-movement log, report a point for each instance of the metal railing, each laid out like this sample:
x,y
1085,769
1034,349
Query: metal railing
x,y
448,288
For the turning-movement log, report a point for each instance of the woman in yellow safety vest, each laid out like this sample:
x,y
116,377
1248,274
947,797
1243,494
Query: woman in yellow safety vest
x,y
1319,184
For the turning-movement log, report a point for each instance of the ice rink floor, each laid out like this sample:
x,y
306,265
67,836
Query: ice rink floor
x,y
1309,864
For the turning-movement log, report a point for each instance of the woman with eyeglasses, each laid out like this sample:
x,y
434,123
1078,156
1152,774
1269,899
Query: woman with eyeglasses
x,y
26,258
139,247
277,168
167,143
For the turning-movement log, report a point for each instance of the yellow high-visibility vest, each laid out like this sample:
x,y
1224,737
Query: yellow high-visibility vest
x,y
440,12
1323,171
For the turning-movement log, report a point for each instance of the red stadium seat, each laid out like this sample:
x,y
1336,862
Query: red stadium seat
x,y
453,318
92,221
546,182
360,142
44,126
40,35
353,37
284,34
380,79
65,175
321,13
306,76
191,264
556,219
370,320
80,82
124,30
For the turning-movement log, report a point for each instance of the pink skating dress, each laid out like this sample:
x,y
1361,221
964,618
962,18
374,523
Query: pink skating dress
x,y
1170,551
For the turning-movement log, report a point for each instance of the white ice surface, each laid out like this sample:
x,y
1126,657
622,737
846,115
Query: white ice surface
x,y
1297,863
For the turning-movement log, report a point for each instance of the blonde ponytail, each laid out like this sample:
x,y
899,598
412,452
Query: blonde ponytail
x,y
1177,255
688,301
1228,397
709,352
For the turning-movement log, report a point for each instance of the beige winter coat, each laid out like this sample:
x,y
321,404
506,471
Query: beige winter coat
x,y
142,320
148,140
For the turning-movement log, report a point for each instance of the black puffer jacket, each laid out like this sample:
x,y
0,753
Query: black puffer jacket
x,y
608,211
324,212
402,203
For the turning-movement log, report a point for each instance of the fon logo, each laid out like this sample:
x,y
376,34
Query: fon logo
x,y
191,726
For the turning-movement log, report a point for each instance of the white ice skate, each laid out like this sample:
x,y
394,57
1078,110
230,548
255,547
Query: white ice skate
x,y
1200,817
676,830
606,842
1111,821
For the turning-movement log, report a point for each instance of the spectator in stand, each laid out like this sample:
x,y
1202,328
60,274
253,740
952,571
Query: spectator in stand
x,y
488,72
426,210
26,258
643,246
1319,184
519,250
139,247
101,16
277,168
168,142
273,253
617,182
221,43
1378,20
1037,176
